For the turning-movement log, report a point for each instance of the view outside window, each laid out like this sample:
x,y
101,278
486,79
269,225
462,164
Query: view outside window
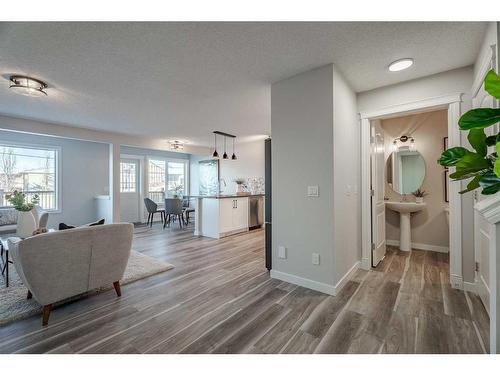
x,y
157,176
128,175
30,170
166,179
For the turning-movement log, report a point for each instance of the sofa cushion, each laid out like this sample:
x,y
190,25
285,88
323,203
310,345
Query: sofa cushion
x,y
8,216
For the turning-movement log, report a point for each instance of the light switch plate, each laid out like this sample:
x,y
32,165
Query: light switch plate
x,y
315,259
313,191
282,252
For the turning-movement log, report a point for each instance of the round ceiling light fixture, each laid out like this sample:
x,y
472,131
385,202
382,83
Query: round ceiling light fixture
x,y
401,64
28,86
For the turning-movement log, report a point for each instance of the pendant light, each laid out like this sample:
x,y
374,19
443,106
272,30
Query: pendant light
x,y
215,155
225,153
234,155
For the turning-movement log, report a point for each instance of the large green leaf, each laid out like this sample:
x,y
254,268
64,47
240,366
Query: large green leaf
x,y
477,139
492,140
451,156
490,183
479,118
473,184
470,165
492,84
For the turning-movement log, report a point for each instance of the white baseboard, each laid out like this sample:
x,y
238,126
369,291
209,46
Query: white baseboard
x,y
421,246
316,285
366,264
470,286
346,277
306,283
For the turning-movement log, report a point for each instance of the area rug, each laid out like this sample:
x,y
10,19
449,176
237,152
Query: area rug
x,y
15,306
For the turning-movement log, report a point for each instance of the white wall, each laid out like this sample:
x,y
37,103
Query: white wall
x,y
84,173
250,163
347,175
302,155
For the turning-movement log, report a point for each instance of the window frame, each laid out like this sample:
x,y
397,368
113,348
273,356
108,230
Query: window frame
x,y
57,166
172,160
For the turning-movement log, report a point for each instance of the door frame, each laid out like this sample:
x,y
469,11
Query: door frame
x,y
453,105
140,183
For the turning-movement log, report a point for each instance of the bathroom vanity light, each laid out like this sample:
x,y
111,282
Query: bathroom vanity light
x,y
401,64
27,86
403,139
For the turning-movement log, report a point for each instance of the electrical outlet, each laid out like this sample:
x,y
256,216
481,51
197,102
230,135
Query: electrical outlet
x,y
282,252
313,191
315,259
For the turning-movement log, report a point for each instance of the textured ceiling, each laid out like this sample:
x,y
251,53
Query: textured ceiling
x,y
183,80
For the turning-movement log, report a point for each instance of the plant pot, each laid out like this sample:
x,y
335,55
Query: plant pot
x,y
26,224
239,188
419,199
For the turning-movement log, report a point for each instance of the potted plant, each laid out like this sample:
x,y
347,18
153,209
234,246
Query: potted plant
x,y
240,185
177,191
26,223
481,166
419,195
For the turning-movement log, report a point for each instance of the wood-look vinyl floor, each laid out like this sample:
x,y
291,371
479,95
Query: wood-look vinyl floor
x,y
220,299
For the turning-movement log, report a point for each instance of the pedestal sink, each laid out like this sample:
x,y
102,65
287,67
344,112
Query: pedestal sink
x,y
405,209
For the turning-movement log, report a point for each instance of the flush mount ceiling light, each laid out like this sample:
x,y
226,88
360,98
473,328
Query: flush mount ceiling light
x,y
28,86
401,64
176,145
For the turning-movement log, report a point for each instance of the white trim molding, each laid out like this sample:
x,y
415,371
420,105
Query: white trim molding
x,y
348,276
489,209
410,107
422,246
302,281
450,102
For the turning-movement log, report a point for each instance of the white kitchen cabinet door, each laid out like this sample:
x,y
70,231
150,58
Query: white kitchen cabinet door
x,y
226,215
240,214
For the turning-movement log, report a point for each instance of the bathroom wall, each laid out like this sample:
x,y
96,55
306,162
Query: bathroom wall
x,y
429,227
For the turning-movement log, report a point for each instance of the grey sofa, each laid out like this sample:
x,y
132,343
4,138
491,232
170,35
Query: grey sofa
x,y
58,265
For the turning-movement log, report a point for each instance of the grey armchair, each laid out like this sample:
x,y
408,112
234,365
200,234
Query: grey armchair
x,y
62,264
173,206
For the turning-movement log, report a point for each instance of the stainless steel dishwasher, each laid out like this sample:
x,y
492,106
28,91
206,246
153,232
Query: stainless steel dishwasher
x,y
255,212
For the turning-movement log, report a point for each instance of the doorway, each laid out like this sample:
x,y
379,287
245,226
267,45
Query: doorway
x,y
130,190
451,104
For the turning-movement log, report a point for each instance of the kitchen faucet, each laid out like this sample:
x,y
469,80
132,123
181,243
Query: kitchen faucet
x,y
224,181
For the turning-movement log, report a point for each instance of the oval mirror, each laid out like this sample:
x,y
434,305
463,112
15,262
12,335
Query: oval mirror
x,y
405,171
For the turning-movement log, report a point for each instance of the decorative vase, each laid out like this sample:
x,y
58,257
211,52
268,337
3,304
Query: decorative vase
x,y
419,199
26,224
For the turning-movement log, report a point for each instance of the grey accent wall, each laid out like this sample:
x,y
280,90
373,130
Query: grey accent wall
x,y
347,176
84,173
302,155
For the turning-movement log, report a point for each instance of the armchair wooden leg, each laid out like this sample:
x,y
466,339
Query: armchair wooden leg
x,y
46,314
118,290
29,296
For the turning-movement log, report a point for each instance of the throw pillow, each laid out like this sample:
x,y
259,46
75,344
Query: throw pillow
x,y
63,226
100,222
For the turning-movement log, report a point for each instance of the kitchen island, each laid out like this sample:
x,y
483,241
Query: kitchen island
x,y
218,216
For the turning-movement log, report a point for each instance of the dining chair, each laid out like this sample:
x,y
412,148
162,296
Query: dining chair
x,y
186,207
152,209
173,206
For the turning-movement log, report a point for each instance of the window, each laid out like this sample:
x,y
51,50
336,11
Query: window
x,y
128,177
31,170
166,178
